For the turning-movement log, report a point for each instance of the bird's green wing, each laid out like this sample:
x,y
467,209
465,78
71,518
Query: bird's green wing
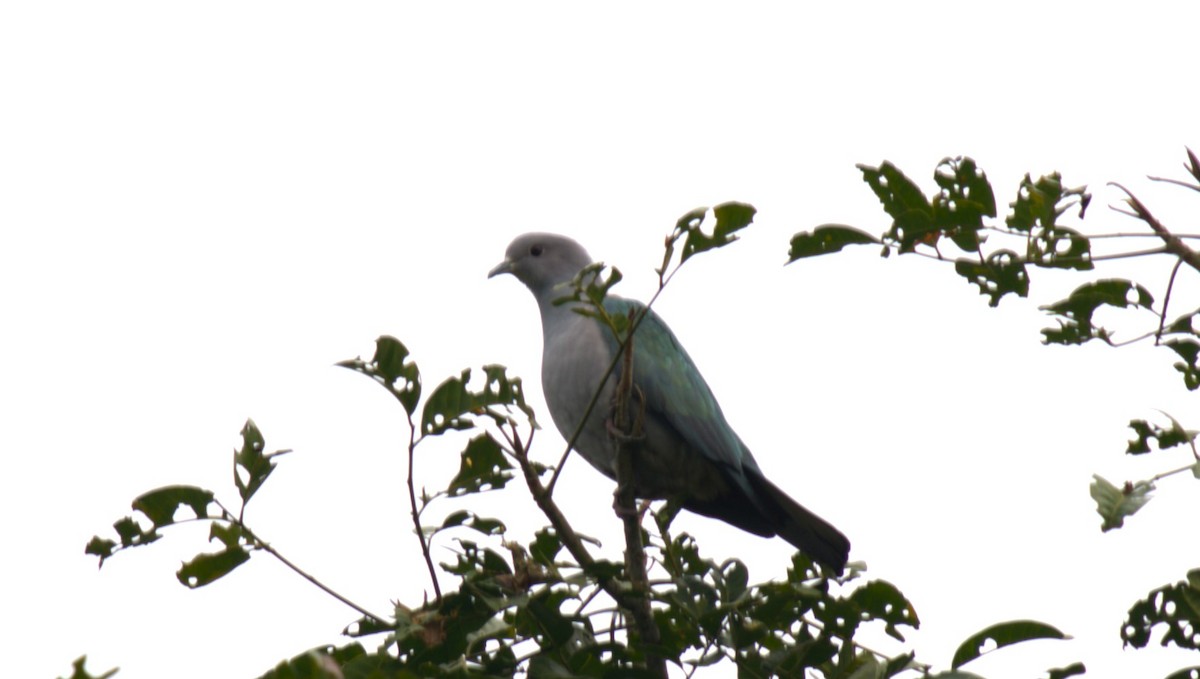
x,y
676,392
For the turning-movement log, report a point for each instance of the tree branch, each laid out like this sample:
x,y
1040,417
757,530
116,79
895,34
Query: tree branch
x,y
1173,243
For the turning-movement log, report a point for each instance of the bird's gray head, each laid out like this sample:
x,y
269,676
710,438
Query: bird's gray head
x,y
542,261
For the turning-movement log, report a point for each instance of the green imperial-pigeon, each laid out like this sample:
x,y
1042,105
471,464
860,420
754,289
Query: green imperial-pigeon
x,y
688,452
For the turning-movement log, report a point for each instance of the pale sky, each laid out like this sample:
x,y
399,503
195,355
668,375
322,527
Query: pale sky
x,y
205,206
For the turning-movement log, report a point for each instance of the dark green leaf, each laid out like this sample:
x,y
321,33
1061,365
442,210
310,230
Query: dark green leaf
x,y
1189,351
251,462
1175,607
1185,673
881,600
1167,438
1059,248
205,568
161,504
731,217
1075,312
1041,203
964,200
1003,272
826,239
80,673
912,215
1000,635
483,467
1114,504
452,404
391,368
100,547
546,546
469,519
1071,670
230,535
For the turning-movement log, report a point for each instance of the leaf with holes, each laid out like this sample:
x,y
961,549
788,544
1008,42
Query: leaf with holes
x,y
161,504
1113,504
881,600
206,568
391,368
1000,635
252,463
731,217
1059,248
1176,608
1041,203
1176,435
964,199
1002,273
1075,313
1189,351
483,468
452,404
911,213
826,239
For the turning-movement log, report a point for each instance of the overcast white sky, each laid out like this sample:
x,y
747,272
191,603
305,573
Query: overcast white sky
x,y
203,206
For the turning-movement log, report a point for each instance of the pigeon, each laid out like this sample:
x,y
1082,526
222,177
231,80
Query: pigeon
x,y
688,453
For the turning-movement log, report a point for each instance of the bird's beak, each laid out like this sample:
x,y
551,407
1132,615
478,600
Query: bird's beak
x,y
501,268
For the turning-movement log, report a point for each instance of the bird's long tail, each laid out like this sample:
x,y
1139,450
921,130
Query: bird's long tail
x,y
806,531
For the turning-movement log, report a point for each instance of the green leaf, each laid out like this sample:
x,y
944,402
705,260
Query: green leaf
x,y
1074,669
1041,203
1167,438
1001,273
251,461
161,504
101,547
1189,351
546,545
826,239
391,368
1000,635
80,673
483,467
1185,673
468,519
1075,312
205,568
1174,607
1114,504
964,200
731,217
881,600
452,404
912,215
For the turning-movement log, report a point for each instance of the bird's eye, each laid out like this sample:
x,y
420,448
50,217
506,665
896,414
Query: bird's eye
x,y
536,251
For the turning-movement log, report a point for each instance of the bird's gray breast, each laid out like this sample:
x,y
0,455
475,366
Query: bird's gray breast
x,y
574,361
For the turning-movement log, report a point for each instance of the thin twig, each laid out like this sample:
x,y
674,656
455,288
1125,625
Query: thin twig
x,y
1173,243
259,543
1162,321
416,513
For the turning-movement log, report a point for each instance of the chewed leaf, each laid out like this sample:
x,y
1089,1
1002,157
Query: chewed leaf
x,y
1176,608
452,404
826,239
1176,435
731,217
1113,504
1000,635
1003,272
251,462
483,467
1075,312
965,198
391,368
206,568
161,504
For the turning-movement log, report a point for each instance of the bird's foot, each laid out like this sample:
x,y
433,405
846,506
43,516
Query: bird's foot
x,y
619,435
